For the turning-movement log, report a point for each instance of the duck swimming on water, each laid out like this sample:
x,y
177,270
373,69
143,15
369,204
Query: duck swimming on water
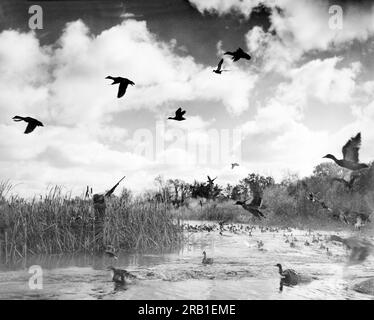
x,y
350,155
206,260
119,275
289,276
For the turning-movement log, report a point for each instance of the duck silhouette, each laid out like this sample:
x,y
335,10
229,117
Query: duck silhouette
x,y
178,115
238,54
219,69
233,165
210,180
119,275
350,155
289,277
253,207
206,260
31,123
360,248
123,84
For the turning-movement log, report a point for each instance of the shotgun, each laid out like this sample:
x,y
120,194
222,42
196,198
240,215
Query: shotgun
x,y
109,193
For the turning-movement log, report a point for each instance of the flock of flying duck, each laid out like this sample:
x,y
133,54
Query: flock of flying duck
x,y
124,83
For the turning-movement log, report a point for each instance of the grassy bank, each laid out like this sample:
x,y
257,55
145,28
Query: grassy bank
x,y
58,224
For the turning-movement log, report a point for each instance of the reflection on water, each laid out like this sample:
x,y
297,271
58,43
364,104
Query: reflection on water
x,y
240,271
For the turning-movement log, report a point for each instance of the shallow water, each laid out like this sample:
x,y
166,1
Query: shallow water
x,y
240,271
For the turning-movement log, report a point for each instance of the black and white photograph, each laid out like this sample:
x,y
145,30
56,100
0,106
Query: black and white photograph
x,y
187,150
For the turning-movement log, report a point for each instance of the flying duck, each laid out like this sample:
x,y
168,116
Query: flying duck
x,y
206,260
312,197
219,69
178,115
350,154
238,54
123,84
233,165
210,180
360,248
254,206
31,123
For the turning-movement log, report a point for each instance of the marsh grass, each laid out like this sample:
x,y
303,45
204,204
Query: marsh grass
x,y
57,223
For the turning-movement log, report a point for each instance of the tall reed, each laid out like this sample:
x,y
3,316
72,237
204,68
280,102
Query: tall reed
x,y
57,223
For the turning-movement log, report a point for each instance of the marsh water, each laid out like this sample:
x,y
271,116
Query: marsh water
x,y
240,271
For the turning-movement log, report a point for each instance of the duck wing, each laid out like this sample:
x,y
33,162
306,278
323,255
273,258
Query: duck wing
x,y
235,57
30,127
351,148
130,82
243,54
179,113
257,200
257,213
122,89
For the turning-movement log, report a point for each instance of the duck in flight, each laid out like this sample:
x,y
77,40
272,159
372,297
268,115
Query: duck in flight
x,y
360,248
253,207
210,180
178,115
233,165
31,123
123,84
219,69
350,155
238,54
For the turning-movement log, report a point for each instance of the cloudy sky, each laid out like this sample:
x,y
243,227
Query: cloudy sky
x,y
306,90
